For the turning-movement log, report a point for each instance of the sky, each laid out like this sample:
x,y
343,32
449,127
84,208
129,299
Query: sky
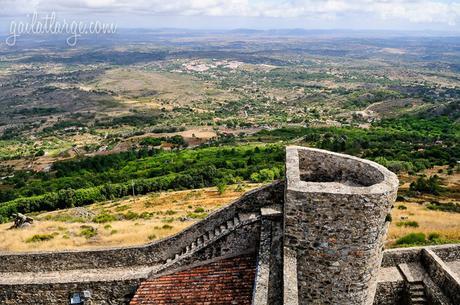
x,y
409,15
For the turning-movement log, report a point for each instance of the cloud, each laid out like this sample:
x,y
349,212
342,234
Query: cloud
x,y
412,11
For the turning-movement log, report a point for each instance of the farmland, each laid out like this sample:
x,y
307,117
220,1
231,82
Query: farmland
x,y
92,126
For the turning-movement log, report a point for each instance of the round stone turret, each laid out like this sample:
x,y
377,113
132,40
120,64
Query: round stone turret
x,y
336,220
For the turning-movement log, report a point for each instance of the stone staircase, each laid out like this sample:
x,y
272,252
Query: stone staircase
x,y
209,237
417,294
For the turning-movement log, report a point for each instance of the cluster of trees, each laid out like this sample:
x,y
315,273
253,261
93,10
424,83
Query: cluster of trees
x,y
431,185
136,120
177,141
61,125
38,111
403,144
363,98
89,180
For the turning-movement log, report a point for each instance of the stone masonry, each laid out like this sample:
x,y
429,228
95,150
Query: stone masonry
x,y
316,238
335,223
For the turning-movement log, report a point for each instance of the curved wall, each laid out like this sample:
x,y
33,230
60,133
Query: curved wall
x,y
335,224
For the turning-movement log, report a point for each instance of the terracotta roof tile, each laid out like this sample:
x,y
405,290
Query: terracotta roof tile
x,y
228,281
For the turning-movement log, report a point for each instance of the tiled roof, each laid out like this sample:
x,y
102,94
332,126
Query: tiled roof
x,y
228,281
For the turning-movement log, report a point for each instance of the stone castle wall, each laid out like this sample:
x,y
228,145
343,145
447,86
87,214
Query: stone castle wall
x,y
149,254
113,275
318,238
103,292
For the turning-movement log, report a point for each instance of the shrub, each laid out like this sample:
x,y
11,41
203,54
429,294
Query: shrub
x,y
64,218
130,215
402,207
412,239
388,218
103,218
199,210
146,215
412,224
88,231
264,175
152,237
40,237
240,188
170,212
122,208
431,185
167,227
221,188
445,207
433,236
197,215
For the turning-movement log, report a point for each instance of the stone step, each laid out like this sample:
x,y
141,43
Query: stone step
x,y
418,301
417,293
417,287
218,231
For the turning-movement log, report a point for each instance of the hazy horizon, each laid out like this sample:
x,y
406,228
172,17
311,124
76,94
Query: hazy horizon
x,y
350,15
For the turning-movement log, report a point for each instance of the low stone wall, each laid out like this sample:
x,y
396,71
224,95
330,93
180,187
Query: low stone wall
x,y
394,257
389,293
448,253
149,254
104,293
441,275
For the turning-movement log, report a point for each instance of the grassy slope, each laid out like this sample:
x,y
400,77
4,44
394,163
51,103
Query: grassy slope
x,y
171,213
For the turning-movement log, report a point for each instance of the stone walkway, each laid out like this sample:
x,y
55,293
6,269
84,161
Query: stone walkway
x,y
389,274
77,276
